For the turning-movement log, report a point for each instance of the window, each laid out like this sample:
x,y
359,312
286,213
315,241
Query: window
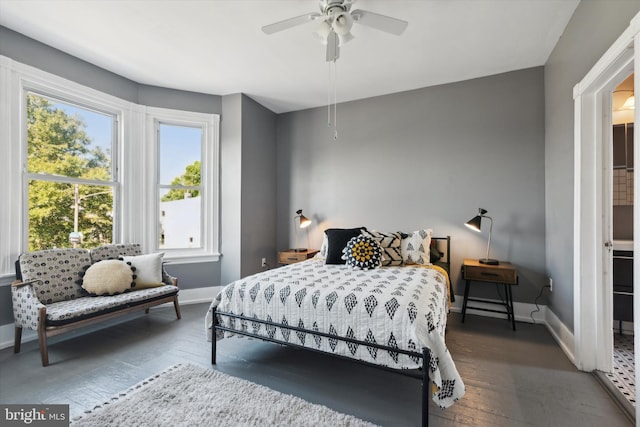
x,y
70,174
180,186
83,168
186,204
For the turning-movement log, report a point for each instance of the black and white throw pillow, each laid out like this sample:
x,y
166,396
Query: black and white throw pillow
x,y
390,244
363,253
337,239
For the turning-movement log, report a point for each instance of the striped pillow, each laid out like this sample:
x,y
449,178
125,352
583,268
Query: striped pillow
x,y
390,244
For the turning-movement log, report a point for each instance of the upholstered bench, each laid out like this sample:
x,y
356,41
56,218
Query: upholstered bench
x,y
50,294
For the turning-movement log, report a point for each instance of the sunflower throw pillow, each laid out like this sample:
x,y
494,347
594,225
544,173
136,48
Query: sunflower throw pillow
x,y
363,253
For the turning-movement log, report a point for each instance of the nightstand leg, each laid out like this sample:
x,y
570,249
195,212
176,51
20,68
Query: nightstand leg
x,y
464,301
513,316
506,295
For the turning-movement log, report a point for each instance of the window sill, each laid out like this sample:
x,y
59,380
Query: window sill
x,y
190,259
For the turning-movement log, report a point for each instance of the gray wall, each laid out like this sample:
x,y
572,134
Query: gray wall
x,y
427,158
248,168
594,27
258,187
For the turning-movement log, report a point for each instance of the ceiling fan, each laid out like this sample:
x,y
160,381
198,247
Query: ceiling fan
x,y
336,19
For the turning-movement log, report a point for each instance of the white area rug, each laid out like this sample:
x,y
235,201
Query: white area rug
x,y
189,395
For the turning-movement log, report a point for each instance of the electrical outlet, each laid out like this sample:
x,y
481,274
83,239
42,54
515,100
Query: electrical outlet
x,y
264,262
550,284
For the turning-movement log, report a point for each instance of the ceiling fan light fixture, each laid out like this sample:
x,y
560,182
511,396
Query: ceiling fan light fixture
x,y
322,31
334,30
345,38
342,23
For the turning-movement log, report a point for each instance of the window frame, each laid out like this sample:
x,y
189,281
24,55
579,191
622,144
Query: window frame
x,y
209,173
134,169
114,183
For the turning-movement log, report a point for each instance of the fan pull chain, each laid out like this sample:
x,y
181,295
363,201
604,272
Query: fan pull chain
x,y
330,82
333,87
335,101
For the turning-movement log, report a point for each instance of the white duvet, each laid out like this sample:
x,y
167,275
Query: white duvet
x,y
401,307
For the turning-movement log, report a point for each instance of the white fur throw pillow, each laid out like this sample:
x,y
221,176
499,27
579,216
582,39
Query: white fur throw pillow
x,y
108,277
147,268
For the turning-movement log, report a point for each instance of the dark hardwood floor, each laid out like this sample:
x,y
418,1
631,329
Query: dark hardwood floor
x,y
517,378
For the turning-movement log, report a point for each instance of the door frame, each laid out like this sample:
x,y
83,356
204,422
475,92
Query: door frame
x,y
593,316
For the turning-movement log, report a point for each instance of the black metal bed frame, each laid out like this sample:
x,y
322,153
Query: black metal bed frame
x,y
425,354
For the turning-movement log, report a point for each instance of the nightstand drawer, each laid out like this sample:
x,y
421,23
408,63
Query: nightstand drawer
x,y
291,256
498,275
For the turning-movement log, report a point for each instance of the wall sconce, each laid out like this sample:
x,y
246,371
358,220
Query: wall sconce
x,y
303,222
474,224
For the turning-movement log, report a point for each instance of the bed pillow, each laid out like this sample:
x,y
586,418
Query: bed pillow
x,y
362,253
337,239
415,247
390,244
148,268
108,277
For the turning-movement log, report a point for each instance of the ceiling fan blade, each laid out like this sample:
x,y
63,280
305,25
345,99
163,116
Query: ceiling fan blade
x,y
379,22
290,23
333,46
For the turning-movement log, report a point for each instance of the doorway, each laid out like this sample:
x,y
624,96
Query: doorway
x,y
592,251
618,153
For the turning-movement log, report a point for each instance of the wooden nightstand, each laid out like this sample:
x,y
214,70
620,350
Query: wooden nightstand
x,y
291,257
503,274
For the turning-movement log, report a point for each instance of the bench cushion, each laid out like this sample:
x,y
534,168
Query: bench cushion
x,y
59,272
63,312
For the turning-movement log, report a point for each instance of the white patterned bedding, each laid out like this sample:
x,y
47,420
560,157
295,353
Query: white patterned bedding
x,y
401,307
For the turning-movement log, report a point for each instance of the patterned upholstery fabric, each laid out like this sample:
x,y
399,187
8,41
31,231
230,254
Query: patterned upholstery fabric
x,y
65,311
114,251
58,273
56,279
26,307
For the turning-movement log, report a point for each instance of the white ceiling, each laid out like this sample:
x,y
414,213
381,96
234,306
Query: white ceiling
x,y
217,46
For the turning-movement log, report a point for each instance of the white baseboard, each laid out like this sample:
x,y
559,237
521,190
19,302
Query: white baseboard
x,y
186,296
198,295
562,335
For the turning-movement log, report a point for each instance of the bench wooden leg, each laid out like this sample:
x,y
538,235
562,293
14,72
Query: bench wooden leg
x,y
17,340
177,307
146,311
42,337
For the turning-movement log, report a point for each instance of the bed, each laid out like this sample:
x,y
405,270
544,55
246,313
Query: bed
x,y
391,317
